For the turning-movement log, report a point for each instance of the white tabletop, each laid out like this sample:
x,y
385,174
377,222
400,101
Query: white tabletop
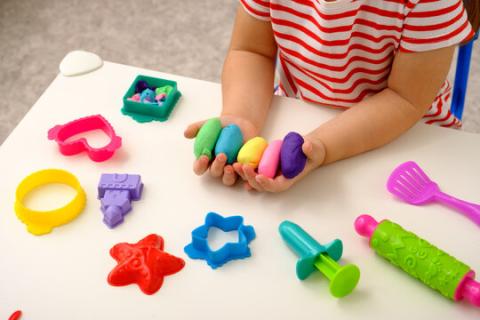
x,y
62,275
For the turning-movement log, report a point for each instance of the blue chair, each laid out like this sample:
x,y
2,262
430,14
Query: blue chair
x,y
461,78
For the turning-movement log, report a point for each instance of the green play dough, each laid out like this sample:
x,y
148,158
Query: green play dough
x,y
207,138
164,89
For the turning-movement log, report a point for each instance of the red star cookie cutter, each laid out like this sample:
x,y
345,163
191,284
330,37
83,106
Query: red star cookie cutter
x,y
61,133
144,263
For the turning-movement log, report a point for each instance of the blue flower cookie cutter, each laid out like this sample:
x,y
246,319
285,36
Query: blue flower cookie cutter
x,y
199,248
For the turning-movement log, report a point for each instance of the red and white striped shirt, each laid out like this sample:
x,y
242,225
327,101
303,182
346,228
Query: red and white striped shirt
x,y
339,52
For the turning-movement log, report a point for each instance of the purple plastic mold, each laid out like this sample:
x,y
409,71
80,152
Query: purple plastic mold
x,y
116,192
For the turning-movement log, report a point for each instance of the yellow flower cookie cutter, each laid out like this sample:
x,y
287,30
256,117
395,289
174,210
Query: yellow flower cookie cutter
x,y
42,222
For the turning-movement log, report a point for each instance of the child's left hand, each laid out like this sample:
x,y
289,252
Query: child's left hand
x,y
313,149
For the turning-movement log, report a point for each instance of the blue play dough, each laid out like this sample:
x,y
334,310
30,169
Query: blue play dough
x,y
148,94
229,142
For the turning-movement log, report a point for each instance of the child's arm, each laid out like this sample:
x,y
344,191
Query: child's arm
x,y
247,87
414,82
248,71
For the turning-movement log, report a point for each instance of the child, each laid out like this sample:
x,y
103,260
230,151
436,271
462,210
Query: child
x,y
384,61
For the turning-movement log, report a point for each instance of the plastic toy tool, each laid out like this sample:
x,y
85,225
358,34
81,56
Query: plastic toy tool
x,y
116,193
79,62
16,315
61,133
144,263
438,270
148,99
199,248
314,256
411,184
43,222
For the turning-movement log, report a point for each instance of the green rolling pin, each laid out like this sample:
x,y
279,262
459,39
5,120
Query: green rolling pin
x,y
417,257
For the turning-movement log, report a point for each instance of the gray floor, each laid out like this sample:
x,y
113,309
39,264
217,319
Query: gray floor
x,y
187,37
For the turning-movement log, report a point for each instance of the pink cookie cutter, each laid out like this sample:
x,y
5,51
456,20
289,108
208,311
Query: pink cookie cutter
x,y
60,133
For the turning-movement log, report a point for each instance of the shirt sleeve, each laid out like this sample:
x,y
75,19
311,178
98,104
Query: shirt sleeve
x,y
434,24
259,9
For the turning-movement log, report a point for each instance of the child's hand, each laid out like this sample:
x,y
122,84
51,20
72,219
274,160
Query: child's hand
x,y
219,167
313,149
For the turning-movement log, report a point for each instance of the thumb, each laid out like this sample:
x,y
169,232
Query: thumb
x,y
314,150
192,130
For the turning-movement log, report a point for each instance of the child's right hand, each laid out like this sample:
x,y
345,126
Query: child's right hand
x,y
219,167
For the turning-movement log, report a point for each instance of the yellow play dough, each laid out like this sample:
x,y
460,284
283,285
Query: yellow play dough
x,y
252,151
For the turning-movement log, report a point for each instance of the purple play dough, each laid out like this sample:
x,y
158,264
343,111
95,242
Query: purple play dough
x,y
292,158
141,85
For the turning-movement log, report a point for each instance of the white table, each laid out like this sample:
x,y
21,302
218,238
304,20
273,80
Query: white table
x,y
62,275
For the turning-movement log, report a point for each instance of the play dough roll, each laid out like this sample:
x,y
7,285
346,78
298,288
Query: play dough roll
x,y
271,156
207,138
252,151
292,158
229,142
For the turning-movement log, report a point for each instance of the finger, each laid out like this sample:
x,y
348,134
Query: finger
x,y
192,130
216,169
272,185
266,183
229,176
250,175
238,167
315,151
307,149
200,165
247,186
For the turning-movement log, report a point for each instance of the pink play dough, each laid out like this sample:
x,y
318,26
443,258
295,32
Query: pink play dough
x,y
269,163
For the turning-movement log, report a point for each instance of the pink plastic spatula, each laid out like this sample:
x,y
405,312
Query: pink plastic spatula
x,y
411,184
